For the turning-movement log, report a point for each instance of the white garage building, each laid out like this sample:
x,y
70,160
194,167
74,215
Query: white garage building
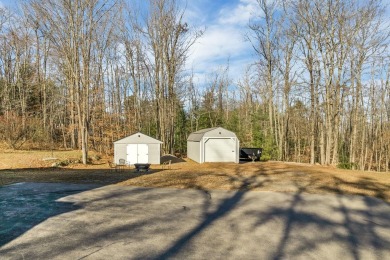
x,y
213,145
138,148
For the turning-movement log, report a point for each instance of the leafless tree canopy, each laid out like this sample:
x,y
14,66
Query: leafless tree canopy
x,y
81,74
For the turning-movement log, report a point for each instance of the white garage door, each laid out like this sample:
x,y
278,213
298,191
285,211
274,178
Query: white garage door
x,y
220,150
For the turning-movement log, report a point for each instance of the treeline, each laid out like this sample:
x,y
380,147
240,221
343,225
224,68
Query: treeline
x,y
82,74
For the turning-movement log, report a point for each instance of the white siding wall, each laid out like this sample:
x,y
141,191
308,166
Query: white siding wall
x,y
193,151
238,150
154,153
120,152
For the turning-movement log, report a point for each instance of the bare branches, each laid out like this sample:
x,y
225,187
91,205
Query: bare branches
x,y
89,72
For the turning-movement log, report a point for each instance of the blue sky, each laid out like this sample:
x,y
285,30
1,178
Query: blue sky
x,y
223,41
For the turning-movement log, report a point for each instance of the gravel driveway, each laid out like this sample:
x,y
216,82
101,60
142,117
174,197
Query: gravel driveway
x,y
115,222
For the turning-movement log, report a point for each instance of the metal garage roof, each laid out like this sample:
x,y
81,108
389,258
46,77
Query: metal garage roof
x,y
210,132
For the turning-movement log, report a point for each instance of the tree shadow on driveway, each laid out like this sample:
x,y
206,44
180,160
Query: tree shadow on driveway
x,y
309,225
147,223
31,196
242,184
354,227
224,208
24,205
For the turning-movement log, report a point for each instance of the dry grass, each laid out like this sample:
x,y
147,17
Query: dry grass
x,y
269,176
260,176
18,159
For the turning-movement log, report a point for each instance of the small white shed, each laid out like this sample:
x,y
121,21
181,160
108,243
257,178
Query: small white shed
x,y
213,145
138,148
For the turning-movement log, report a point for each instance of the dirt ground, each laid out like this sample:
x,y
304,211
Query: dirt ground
x,y
35,166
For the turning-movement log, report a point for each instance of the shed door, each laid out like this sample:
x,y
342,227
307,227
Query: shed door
x,y
220,150
137,153
143,156
131,153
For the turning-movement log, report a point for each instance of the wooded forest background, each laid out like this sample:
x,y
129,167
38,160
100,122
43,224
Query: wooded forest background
x,y
80,74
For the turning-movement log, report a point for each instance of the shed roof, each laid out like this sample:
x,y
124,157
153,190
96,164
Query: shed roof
x,y
138,138
210,132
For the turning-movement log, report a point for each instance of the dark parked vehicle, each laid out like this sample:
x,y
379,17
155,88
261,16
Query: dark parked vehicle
x,y
253,154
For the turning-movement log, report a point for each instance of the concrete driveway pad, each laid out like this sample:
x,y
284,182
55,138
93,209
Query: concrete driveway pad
x,y
116,222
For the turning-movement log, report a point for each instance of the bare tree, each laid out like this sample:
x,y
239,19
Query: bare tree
x,y
74,28
169,39
263,36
